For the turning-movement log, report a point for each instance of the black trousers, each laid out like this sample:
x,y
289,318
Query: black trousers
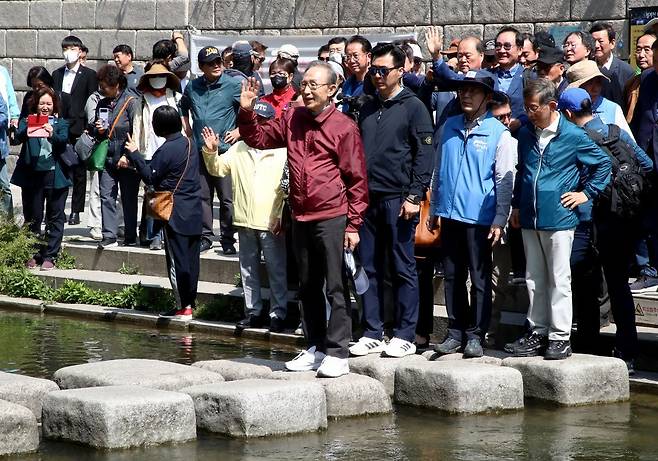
x,y
33,208
425,259
224,189
79,179
183,254
467,250
319,254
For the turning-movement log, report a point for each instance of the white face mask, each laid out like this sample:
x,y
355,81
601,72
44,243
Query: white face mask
x,y
157,83
71,56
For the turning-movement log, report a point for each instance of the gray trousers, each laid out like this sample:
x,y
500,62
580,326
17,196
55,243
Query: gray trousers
x,y
110,181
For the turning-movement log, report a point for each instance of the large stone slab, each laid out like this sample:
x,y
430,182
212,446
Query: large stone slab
x,y
381,368
241,368
25,390
155,374
19,430
118,416
457,386
581,379
259,407
490,357
348,395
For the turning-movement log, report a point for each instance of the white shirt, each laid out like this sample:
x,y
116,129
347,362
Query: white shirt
x,y
69,77
547,134
154,142
608,63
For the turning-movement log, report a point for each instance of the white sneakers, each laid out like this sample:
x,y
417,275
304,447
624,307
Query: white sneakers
x,y
367,346
333,367
398,347
306,360
326,365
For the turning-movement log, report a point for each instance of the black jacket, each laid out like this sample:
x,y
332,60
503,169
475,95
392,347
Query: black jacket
x,y
84,85
123,127
163,173
397,138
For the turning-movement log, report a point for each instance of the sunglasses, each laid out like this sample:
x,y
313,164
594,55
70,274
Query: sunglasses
x,y
323,59
507,46
380,71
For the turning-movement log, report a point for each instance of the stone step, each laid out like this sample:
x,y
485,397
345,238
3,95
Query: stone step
x,y
118,416
242,368
25,390
259,407
156,374
578,380
19,430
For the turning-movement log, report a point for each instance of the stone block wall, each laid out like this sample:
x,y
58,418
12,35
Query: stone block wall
x,y
31,31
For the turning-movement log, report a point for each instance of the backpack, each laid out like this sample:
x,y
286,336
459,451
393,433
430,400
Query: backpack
x,y
624,195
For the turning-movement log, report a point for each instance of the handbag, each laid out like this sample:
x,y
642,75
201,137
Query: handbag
x,y
84,146
98,156
161,203
69,157
425,238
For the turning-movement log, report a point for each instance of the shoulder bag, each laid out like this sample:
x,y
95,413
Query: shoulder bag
x,y
161,203
96,161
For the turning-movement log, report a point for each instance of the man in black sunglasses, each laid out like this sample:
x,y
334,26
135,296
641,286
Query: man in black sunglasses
x,y
397,138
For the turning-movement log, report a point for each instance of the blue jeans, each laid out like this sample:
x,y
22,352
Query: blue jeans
x,y
273,247
6,204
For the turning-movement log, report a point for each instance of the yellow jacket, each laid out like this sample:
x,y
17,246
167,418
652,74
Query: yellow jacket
x,y
256,178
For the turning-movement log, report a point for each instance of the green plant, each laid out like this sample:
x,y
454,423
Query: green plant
x,y
23,284
65,261
128,269
17,244
223,308
237,280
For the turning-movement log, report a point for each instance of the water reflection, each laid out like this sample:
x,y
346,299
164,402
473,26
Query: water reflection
x,y
37,346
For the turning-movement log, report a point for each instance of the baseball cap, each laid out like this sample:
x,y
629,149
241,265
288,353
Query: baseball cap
x,y
264,109
490,47
241,48
417,51
358,274
543,39
482,78
550,55
208,54
572,98
288,51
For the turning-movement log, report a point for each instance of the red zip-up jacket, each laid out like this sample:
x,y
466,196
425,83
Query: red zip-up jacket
x,y
325,159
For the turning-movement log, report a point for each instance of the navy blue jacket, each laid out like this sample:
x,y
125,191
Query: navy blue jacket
x,y
645,116
397,139
163,173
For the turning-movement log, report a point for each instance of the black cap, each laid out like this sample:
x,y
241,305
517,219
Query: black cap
x,y
482,78
209,54
490,47
550,55
543,39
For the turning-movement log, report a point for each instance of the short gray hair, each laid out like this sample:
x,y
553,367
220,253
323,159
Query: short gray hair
x,y
543,88
333,78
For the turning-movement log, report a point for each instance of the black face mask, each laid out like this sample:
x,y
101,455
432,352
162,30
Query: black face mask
x,y
279,81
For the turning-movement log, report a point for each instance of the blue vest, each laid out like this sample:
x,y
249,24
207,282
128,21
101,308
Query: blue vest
x,y
605,110
466,171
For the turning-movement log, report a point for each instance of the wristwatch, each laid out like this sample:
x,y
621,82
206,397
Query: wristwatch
x,y
414,199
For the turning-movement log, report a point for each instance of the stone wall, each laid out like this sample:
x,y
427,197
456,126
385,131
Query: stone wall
x,y
31,31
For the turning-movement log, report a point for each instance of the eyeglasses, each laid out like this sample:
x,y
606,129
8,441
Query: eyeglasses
x,y
311,85
353,57
380,71
505,116
260,59
570,45
507,46
320,58
534,108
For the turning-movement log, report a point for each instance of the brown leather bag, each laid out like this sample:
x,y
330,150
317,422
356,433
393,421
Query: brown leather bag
x,y
161,203
425,238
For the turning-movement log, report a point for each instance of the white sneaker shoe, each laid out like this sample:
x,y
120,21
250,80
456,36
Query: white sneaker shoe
x,y
398,347
333,367
367,346
96,233
308,360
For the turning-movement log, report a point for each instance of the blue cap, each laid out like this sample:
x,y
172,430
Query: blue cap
x,y
264,109
572,98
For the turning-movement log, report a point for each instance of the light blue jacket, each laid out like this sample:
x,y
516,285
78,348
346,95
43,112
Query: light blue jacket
x,y
5,78
465,180
4,125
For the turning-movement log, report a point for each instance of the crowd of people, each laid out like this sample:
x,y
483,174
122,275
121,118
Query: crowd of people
x,y
518,144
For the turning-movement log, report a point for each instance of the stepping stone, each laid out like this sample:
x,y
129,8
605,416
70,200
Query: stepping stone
x,y
19,430
381,368
578,380
259,407
25,390
118,416
348,395
242,368
490,357
458,386
155,374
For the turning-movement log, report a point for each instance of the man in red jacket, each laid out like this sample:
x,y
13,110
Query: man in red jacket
x,y
328,197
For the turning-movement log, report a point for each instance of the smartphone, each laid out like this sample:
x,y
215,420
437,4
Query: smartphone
x,y
104,116
51,120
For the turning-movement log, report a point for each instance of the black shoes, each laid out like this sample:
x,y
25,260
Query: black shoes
x,y
529,345
250,321
130,242
229,250
206,244
558,350
473,348
74,218
276,325
448,346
